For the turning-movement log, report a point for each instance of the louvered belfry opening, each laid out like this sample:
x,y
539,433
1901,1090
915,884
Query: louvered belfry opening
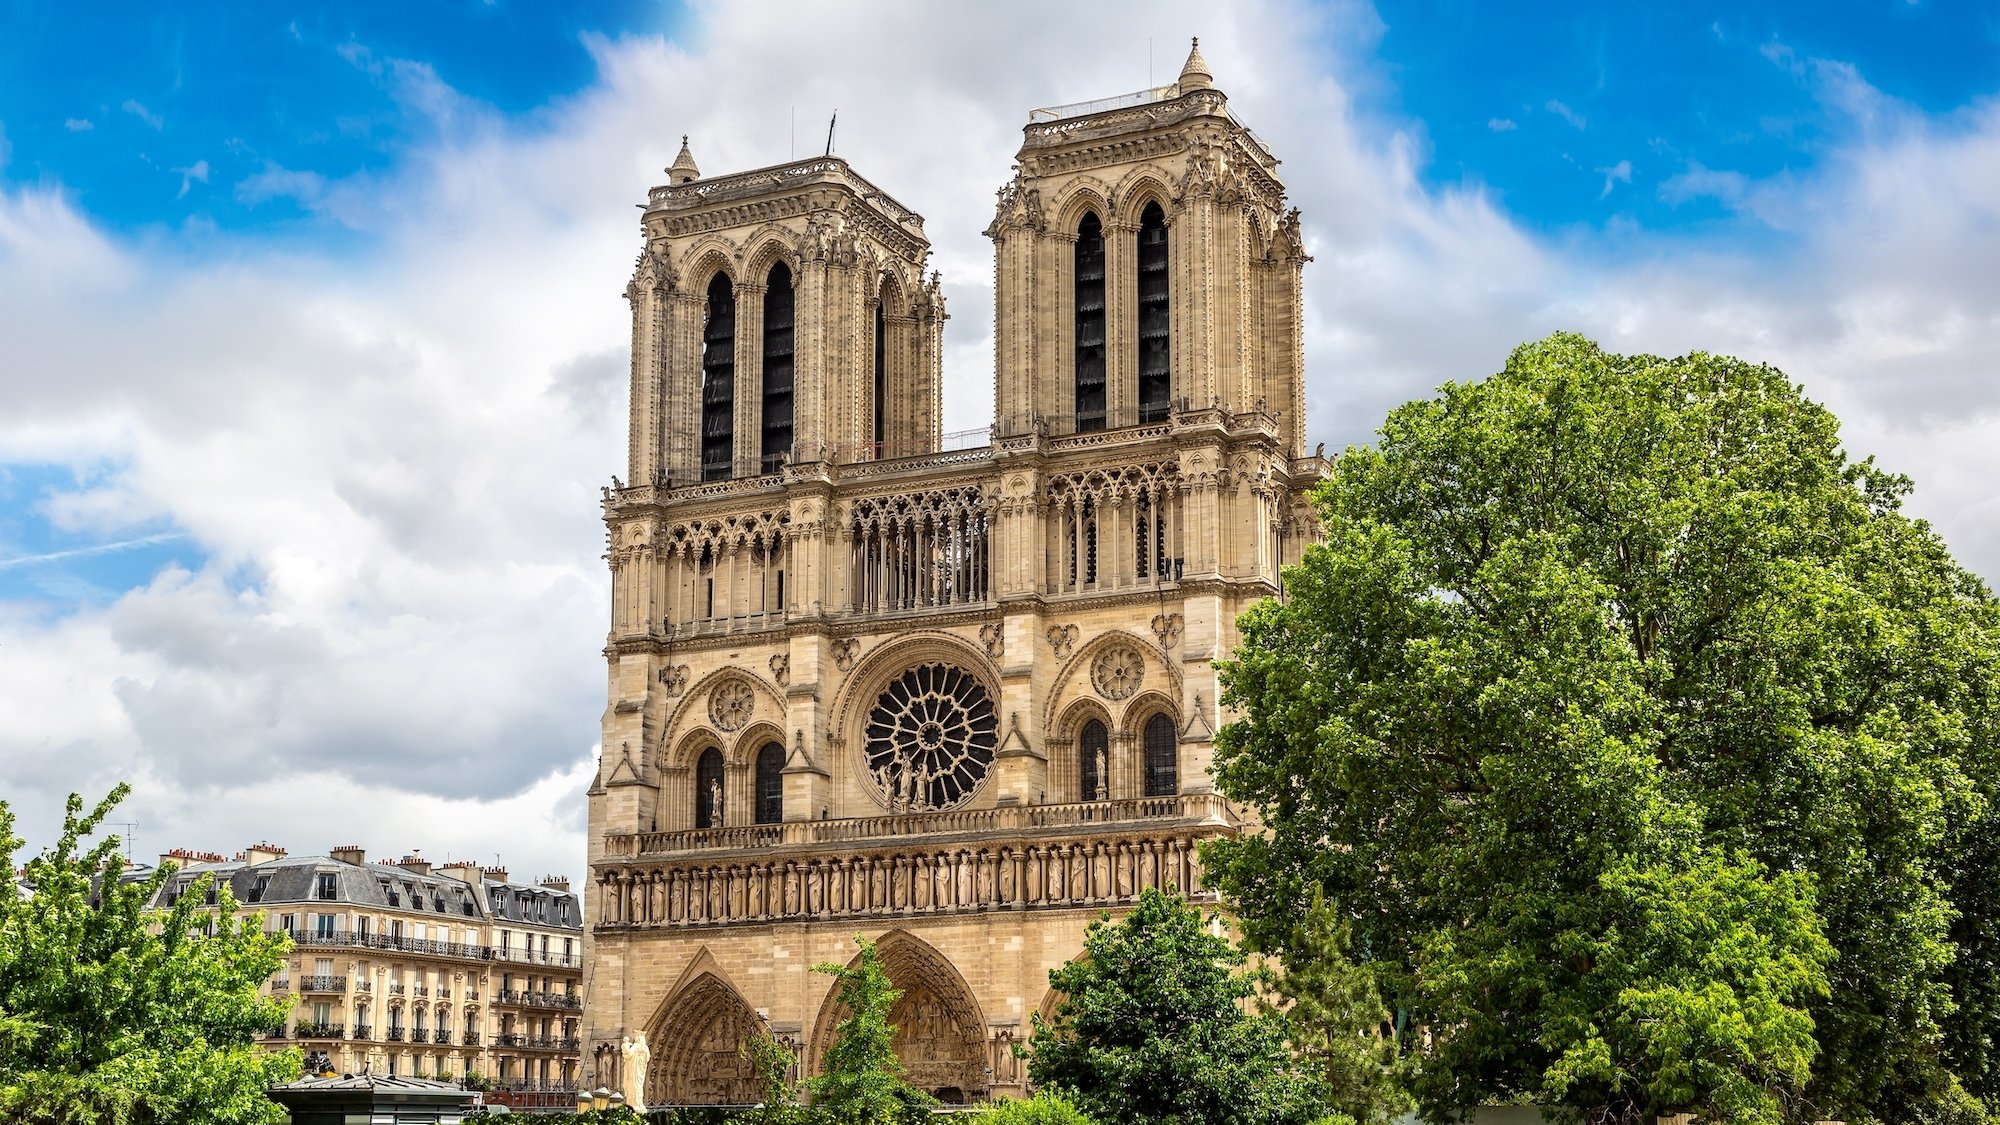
x,y
771,783
1162,765
1089,324
1155,356
718,381
777,446
881,374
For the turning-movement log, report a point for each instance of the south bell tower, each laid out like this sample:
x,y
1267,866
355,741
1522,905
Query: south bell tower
x,y
959,696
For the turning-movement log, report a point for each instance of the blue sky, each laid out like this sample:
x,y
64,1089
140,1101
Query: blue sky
x,y
314,352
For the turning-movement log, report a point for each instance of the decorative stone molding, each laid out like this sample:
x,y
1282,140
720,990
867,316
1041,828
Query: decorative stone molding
x,y
994,636
781,668
1062,638
844,653
1167,627
674,677
1117,672
730,704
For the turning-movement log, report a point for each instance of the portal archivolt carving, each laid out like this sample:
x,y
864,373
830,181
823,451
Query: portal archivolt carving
x,y
696,1047
940,1033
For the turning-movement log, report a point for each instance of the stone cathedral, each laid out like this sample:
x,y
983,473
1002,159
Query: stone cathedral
x,y
869,678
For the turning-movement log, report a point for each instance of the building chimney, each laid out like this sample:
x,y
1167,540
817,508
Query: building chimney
x,y
179,857
556,883
262,853
350,853
416,863
495,874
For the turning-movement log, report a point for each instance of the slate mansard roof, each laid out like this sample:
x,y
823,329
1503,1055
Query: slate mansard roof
x,y
295,881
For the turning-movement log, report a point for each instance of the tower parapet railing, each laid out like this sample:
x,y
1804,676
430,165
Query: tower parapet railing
x,y
1209,808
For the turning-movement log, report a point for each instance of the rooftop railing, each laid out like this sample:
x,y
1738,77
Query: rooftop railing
x,y
1208,807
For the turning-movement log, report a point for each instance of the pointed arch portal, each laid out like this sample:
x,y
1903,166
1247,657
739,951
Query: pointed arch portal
x,y
940,1033
695,1044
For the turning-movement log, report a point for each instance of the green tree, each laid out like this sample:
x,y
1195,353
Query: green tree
x,y
861,1079
1647,743
114,1013
1152,1027
1046,1108
1337,1018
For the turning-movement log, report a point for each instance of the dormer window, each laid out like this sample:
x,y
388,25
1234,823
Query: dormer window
x,y
258,888
324,888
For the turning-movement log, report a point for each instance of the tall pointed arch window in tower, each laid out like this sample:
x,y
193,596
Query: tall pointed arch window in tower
x,y
708,789
1093,752
881,375
718,381
1162,768
771,783
1089,324
1156,384
777,368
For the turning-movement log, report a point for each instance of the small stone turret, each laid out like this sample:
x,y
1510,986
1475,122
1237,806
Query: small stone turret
x,y
1194,74
683,169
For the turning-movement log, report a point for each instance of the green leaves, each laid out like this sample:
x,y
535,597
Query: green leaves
x,y
1646,746
861,1079
1152,1028
113,1013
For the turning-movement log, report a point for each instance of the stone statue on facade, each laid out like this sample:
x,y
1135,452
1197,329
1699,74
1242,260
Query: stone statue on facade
x,y
632,1073
715,802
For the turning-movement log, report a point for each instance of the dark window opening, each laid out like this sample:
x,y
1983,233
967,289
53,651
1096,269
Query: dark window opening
x,y
881,377
1089,324
771,783
325,890
708,789
718,381
777,368
1093,747
1155,375
1162,766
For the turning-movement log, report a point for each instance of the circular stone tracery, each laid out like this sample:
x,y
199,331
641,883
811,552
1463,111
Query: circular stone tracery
x,y
930,739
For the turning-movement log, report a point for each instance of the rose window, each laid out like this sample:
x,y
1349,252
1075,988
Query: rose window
x,y
930,739
1118,672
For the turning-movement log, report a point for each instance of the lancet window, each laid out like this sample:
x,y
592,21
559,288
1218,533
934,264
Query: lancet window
x,y
1089,324
771,783
708,789
777,368
1162,757
1113,527
914,551
881,379
1155,358
725,574
1093,749
718,381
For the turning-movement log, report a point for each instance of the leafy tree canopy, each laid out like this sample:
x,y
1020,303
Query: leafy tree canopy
x,y
1153,1027
861,1079
115,1014
1647,746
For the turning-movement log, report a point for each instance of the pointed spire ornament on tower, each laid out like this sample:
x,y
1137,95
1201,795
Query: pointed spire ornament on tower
x,y
683,170
1194,74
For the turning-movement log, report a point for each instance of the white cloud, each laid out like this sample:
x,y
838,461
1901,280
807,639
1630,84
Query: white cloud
x,y
191,175
1566,113
78,124
1619,173
1501,124
389,459
153,120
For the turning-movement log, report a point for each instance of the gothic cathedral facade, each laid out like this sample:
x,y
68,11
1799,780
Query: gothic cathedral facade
x,y
959,697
